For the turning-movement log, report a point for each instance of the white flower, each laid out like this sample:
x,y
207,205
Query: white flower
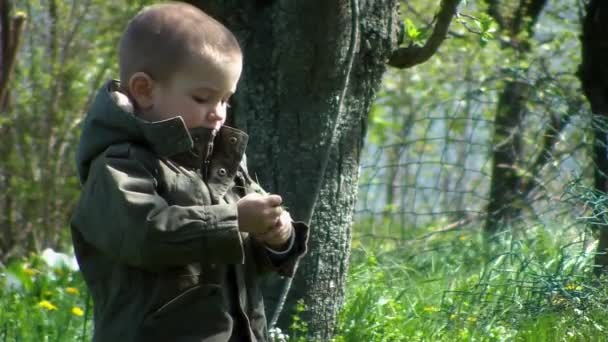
x,y
59,260
276,335
11,282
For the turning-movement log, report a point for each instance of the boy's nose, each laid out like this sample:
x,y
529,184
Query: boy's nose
x,y
214,116
217,113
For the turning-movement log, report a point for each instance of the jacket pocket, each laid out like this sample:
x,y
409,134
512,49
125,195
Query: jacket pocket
x,y
197,313
184,300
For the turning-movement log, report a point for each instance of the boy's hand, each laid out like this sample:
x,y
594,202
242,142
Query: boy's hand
x,y
257,213
278,236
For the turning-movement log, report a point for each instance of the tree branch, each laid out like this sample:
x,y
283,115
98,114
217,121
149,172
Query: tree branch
x,y
533,12
14,36
408,57
495,13
527,13
550,138
416,13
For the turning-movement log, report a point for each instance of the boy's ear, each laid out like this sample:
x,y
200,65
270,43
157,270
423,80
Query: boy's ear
x,y
141,87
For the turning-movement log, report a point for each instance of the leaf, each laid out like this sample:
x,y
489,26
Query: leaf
x,y
412,32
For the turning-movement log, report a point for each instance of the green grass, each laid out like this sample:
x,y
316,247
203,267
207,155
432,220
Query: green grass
x,y
535,285
40,303
456,287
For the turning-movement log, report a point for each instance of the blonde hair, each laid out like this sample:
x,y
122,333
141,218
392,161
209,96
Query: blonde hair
x,y
162,39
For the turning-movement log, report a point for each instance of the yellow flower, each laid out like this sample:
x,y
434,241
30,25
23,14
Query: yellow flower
x,y
453,316
45,304
472,319
29,271
430,309
77,311
573,287
557,300
72,290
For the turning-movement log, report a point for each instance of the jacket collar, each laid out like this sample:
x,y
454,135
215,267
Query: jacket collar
x,y
111,120
172,139
228,144
165,138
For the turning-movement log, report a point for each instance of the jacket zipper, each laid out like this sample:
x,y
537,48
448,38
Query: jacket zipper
x,y
207,160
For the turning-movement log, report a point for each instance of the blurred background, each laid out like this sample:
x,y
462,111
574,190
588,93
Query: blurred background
x,y
493,135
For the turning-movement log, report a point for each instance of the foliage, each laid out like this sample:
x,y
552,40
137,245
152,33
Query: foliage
x,y
43,302
68,50
429,149
425,166
444,287
454,287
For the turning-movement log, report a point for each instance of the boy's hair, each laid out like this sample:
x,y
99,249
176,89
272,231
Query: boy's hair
x,y
162,39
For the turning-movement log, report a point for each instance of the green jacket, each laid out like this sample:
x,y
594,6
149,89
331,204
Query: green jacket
x,y
155,231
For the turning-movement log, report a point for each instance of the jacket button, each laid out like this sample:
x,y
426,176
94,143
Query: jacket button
x,y
221,172
233,140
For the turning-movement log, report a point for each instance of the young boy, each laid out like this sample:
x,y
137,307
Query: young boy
x,y
170,232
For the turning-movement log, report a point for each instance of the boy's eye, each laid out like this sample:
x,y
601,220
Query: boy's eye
x,y
199,99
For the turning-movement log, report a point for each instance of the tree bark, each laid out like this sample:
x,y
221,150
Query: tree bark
x,y
593,74
11,28
505,191
296,62
507,194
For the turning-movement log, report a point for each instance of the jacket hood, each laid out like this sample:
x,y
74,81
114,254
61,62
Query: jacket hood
x,y
110,121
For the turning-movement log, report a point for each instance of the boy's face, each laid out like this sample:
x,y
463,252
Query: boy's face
x,y
199,93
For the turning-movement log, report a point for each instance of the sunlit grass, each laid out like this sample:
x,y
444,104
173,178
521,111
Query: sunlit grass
x,y
452,286
41,302
455,286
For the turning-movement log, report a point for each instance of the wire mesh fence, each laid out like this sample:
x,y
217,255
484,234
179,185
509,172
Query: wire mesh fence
x,y
469,140
426,184
434,163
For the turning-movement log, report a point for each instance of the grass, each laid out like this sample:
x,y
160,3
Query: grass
x,y
43,303
454,286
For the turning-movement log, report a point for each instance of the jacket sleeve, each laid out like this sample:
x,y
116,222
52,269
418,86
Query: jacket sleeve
x,y
121,214
285,265
266,262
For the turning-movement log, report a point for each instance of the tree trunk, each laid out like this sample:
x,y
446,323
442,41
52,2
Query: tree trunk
x,y
6,217
11,28
593,74
296,62
506,196
503,203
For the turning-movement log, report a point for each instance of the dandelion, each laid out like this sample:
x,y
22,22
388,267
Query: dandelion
x,y
72,290
29,271
45,304
557,300
572,287
76,311
430,309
